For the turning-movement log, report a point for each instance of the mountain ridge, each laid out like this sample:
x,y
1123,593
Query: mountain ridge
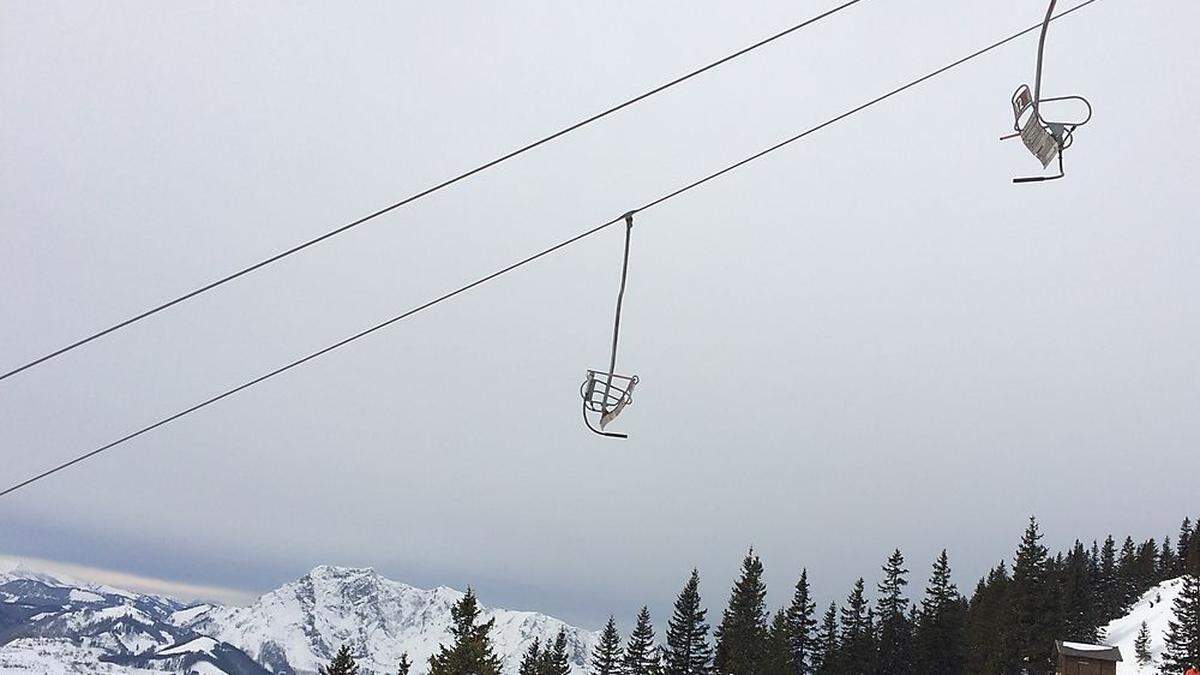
x,y
290,630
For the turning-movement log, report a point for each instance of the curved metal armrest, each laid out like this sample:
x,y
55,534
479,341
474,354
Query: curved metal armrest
x,y
1067,98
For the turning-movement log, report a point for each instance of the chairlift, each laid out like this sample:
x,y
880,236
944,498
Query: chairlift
x,y
606,394
1044,138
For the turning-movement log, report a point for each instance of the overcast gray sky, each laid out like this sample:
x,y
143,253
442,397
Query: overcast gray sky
x,y
869,340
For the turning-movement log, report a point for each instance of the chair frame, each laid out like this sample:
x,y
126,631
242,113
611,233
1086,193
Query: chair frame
x,y
1037,129
607,393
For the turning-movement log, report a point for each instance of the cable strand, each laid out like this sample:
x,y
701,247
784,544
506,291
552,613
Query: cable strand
x,y
529,259
428,191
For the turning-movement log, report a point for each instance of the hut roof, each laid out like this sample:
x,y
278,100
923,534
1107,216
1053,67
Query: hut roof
x,y
1086,651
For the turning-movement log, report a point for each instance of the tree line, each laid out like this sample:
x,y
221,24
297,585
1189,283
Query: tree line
x,y
1006,627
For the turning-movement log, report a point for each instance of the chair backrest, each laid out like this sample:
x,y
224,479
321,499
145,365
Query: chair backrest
x,y
1022,100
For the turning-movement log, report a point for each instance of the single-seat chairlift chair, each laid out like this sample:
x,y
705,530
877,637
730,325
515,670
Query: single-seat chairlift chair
x,y
606,394
1045,139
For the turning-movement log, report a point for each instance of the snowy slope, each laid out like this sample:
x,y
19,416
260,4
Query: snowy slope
x,y
58,656
304,622
1155,608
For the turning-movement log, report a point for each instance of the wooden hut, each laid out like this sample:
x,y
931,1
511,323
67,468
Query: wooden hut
x,y
1076,658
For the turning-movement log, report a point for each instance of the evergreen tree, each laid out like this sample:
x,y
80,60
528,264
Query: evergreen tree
x,y
801,623
606,656
1108,585
857,653
1182,545
940,638
342,664
1191,560
1182,643
555,659
688,651
531,662
895,655
1080,622
1167,562
1145,567
1141,646
1127,577
777,656
991,642
742,635
405,665
470,653
641,655
1033,603
827,646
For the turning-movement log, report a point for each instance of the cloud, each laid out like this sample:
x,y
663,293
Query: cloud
x,y
131,582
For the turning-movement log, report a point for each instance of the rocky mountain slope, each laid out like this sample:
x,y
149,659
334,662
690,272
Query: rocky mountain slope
x,y
49,624
305,621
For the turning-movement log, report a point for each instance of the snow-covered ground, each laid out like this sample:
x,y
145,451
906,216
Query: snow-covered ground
x,y
46,656
1155,608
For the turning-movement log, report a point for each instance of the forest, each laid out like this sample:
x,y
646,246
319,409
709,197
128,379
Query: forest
x,y
1007,625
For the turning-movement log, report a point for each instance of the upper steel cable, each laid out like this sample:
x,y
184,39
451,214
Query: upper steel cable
x,y
535,256
428,191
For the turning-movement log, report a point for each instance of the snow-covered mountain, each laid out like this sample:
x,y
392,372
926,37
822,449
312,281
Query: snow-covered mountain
x,y
306,621
49,624
1155,608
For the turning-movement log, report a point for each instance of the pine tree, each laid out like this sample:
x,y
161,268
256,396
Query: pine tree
x,y
470,653
405,665
641,655
1141,646
742,635
1191,560
1182,545
1165,569
555,659
1145,568
1033,603
606,655
777,656
342,664
1182,644
1108,586
1127,576
1080,622
688,651
801,622
857,653
827,646
991,640
895,655
531,662
940,638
